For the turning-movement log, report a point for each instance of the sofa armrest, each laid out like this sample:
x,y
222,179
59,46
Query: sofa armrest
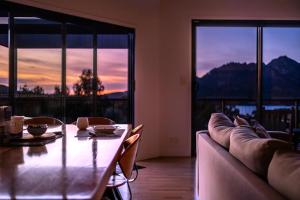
x,y
281,135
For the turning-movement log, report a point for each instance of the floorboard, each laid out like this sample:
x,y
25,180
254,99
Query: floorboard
x,y
164,178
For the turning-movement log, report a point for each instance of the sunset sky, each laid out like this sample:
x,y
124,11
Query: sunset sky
x,y
43,67
216,46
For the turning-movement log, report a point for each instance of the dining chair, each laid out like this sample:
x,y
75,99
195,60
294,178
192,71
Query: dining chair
x,y
126,162
99,121
43,120
137,130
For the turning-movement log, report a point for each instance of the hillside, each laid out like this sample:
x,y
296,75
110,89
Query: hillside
x,y
238,80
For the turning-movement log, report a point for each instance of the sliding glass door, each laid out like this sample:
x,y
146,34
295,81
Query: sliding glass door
x,y
246,68
225,72
281,77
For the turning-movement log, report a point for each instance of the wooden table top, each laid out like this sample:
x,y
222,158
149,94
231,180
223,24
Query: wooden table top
x,y
69,168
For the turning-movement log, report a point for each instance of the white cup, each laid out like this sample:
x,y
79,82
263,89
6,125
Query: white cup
x,y
16,124
82,123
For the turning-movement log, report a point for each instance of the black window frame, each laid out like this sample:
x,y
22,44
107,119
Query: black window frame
x,y
96,27
259,25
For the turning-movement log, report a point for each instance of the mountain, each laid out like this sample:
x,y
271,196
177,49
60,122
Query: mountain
x,y
116,95
281,78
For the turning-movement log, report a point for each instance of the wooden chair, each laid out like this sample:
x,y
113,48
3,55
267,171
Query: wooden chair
x,y
43,120
126,162
99,121
137,130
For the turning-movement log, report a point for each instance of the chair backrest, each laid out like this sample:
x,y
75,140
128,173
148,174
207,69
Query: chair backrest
x,y
99,121
137,130
127,158
43,120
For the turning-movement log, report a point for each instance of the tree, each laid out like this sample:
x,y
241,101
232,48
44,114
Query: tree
x,y
57,90
38,90
24,89
84,87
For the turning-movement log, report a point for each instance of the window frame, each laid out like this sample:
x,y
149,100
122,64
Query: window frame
x,y
260,25
96,27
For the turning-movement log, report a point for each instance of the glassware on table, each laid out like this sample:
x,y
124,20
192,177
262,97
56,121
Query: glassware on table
x,y
82,123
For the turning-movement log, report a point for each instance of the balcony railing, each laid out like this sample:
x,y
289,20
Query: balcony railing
x,y
276,114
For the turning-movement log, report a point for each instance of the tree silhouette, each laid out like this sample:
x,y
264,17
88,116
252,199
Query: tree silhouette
x,y
57,90
25,90
84,87
38,90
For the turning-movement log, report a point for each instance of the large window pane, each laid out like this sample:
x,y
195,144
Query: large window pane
x,y
38,71
225,62
38,53
3,55
225,73
79,101
112,67
281,57
281,77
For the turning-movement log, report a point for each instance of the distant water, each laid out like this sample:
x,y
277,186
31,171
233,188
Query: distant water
x,y
250,109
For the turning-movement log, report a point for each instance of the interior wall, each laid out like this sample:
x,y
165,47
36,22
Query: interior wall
x,y
143,16
175,56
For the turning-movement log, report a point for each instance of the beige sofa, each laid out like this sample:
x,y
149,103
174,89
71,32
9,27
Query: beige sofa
x,y
219,175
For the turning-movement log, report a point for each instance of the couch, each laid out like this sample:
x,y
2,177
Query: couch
x,y
219,175
234,162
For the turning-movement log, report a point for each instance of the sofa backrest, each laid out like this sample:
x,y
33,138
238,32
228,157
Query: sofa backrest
x,y
221,176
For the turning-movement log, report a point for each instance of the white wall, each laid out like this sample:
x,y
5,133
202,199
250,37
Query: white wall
x,y
163,55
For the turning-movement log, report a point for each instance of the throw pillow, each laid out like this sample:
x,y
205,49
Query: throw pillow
x,y
239,121
284,174
220,128
253,151
260,130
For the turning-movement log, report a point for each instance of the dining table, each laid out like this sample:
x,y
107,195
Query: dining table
x,y
74,166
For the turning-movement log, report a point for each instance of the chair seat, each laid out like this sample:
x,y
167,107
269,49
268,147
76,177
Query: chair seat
x,y
116,180
134,175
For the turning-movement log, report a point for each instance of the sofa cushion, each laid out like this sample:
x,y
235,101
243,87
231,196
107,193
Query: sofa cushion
x,y
220,128
257,127
239,121
253,151
284,174
260,130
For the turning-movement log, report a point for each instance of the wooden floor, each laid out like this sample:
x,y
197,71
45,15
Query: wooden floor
x,y
164,178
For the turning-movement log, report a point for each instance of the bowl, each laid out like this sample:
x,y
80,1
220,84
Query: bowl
x,y
37,129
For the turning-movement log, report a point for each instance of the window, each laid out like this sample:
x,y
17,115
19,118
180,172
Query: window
x,y
38,53
281,76
4,55
248,68
225,62
112,67
225,72
79,89
65,66
281,58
